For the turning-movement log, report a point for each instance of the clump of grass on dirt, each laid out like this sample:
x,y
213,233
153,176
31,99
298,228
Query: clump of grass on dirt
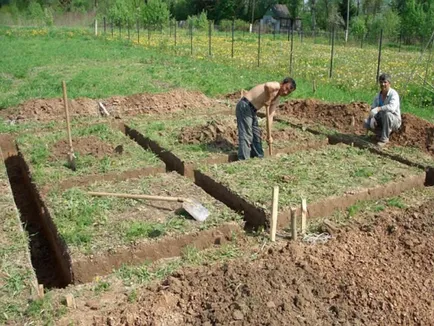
x,y
50,167
86,222
308,174
16,271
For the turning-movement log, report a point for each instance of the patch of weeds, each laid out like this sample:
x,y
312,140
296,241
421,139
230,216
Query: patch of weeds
x,y
132,296
101,286
191,255
45,310
396,202
354,209
140,229
363,173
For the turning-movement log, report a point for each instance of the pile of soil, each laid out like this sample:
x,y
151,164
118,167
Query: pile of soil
x,y
220,134
50,109
378,273
173,101
84,146
348,118
233,96
53,109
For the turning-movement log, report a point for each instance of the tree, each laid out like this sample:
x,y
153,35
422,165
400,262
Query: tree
x,y
155,13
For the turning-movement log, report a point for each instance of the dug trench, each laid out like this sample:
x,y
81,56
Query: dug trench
x,y
54,266
49,256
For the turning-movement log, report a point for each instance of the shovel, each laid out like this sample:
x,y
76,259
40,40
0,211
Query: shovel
x,y
270,149
71,156
193,207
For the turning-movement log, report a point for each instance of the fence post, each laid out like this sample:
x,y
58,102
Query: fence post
x,y
428,62
233,40
379,55
96,27
170,28
105,26
138,32
174,32
120,30
332,52
400,41
209,38
288,32
191,38
111,25
291,51
259,43
149,35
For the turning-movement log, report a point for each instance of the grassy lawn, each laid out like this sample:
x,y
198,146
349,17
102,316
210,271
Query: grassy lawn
x,y
35,61
46,153
313,175
86,222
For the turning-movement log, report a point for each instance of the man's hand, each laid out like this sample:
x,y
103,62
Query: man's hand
x,y
373,112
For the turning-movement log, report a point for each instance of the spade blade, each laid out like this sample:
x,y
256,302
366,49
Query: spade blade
x,y
195,209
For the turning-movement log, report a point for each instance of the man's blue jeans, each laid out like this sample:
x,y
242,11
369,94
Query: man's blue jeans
x,y
249,134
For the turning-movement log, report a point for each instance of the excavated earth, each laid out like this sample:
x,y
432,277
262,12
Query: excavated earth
x,y
90,145
348,118
373,273
225,136
53,109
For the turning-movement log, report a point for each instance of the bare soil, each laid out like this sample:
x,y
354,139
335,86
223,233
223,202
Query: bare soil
x,y
372,273
348,118
53,109
90,145
224,135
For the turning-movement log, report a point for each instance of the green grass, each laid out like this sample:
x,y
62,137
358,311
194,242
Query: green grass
x,y
47,168
16,271
308,174
86,222
33,66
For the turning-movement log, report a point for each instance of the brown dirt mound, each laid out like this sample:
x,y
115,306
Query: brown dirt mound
x,y
348,118
233,96
378,273
225,136
83,146
173,101
220,134
52,109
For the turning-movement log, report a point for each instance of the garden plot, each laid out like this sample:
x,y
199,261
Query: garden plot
x,y
102,233
344,122
17,278
181,143
329,178
101,152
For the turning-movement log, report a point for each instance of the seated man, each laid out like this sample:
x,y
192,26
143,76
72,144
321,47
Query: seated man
x,y
249,134
385,115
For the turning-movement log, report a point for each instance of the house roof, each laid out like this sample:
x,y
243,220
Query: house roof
x,y
280,11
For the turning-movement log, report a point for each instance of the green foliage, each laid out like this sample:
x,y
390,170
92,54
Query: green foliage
x,y
120,13
358,27
155,13
225,25
35,13
389,21
199,22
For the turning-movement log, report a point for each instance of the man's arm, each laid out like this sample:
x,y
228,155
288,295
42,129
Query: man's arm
x,y
376,102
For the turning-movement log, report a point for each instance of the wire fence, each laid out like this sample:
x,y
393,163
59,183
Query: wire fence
x,y
320,56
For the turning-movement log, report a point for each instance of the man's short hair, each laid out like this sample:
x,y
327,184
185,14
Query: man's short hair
x,y
384,77
290,81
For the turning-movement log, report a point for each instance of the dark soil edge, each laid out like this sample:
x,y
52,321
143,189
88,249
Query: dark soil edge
x,y
49,254
86,269
256,217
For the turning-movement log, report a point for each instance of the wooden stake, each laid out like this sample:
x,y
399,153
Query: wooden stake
x,y
41,291
270,145
314,86
303,216
274,211
96,27
293,224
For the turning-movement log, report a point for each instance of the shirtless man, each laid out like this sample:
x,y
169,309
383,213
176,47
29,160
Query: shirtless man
x,y
249,134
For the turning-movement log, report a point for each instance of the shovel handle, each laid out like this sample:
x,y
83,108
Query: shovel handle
x,y
68,124
148,197
270,149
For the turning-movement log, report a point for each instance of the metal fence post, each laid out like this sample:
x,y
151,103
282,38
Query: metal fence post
x,y
259,43
138,31
209,38
233,40
332,53
191,38
379,55
105,26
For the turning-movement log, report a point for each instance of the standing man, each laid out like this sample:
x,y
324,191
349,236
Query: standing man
x,y
385,115
249,134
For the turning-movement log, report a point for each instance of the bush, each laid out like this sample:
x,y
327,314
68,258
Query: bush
x,y
199,22
358,27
